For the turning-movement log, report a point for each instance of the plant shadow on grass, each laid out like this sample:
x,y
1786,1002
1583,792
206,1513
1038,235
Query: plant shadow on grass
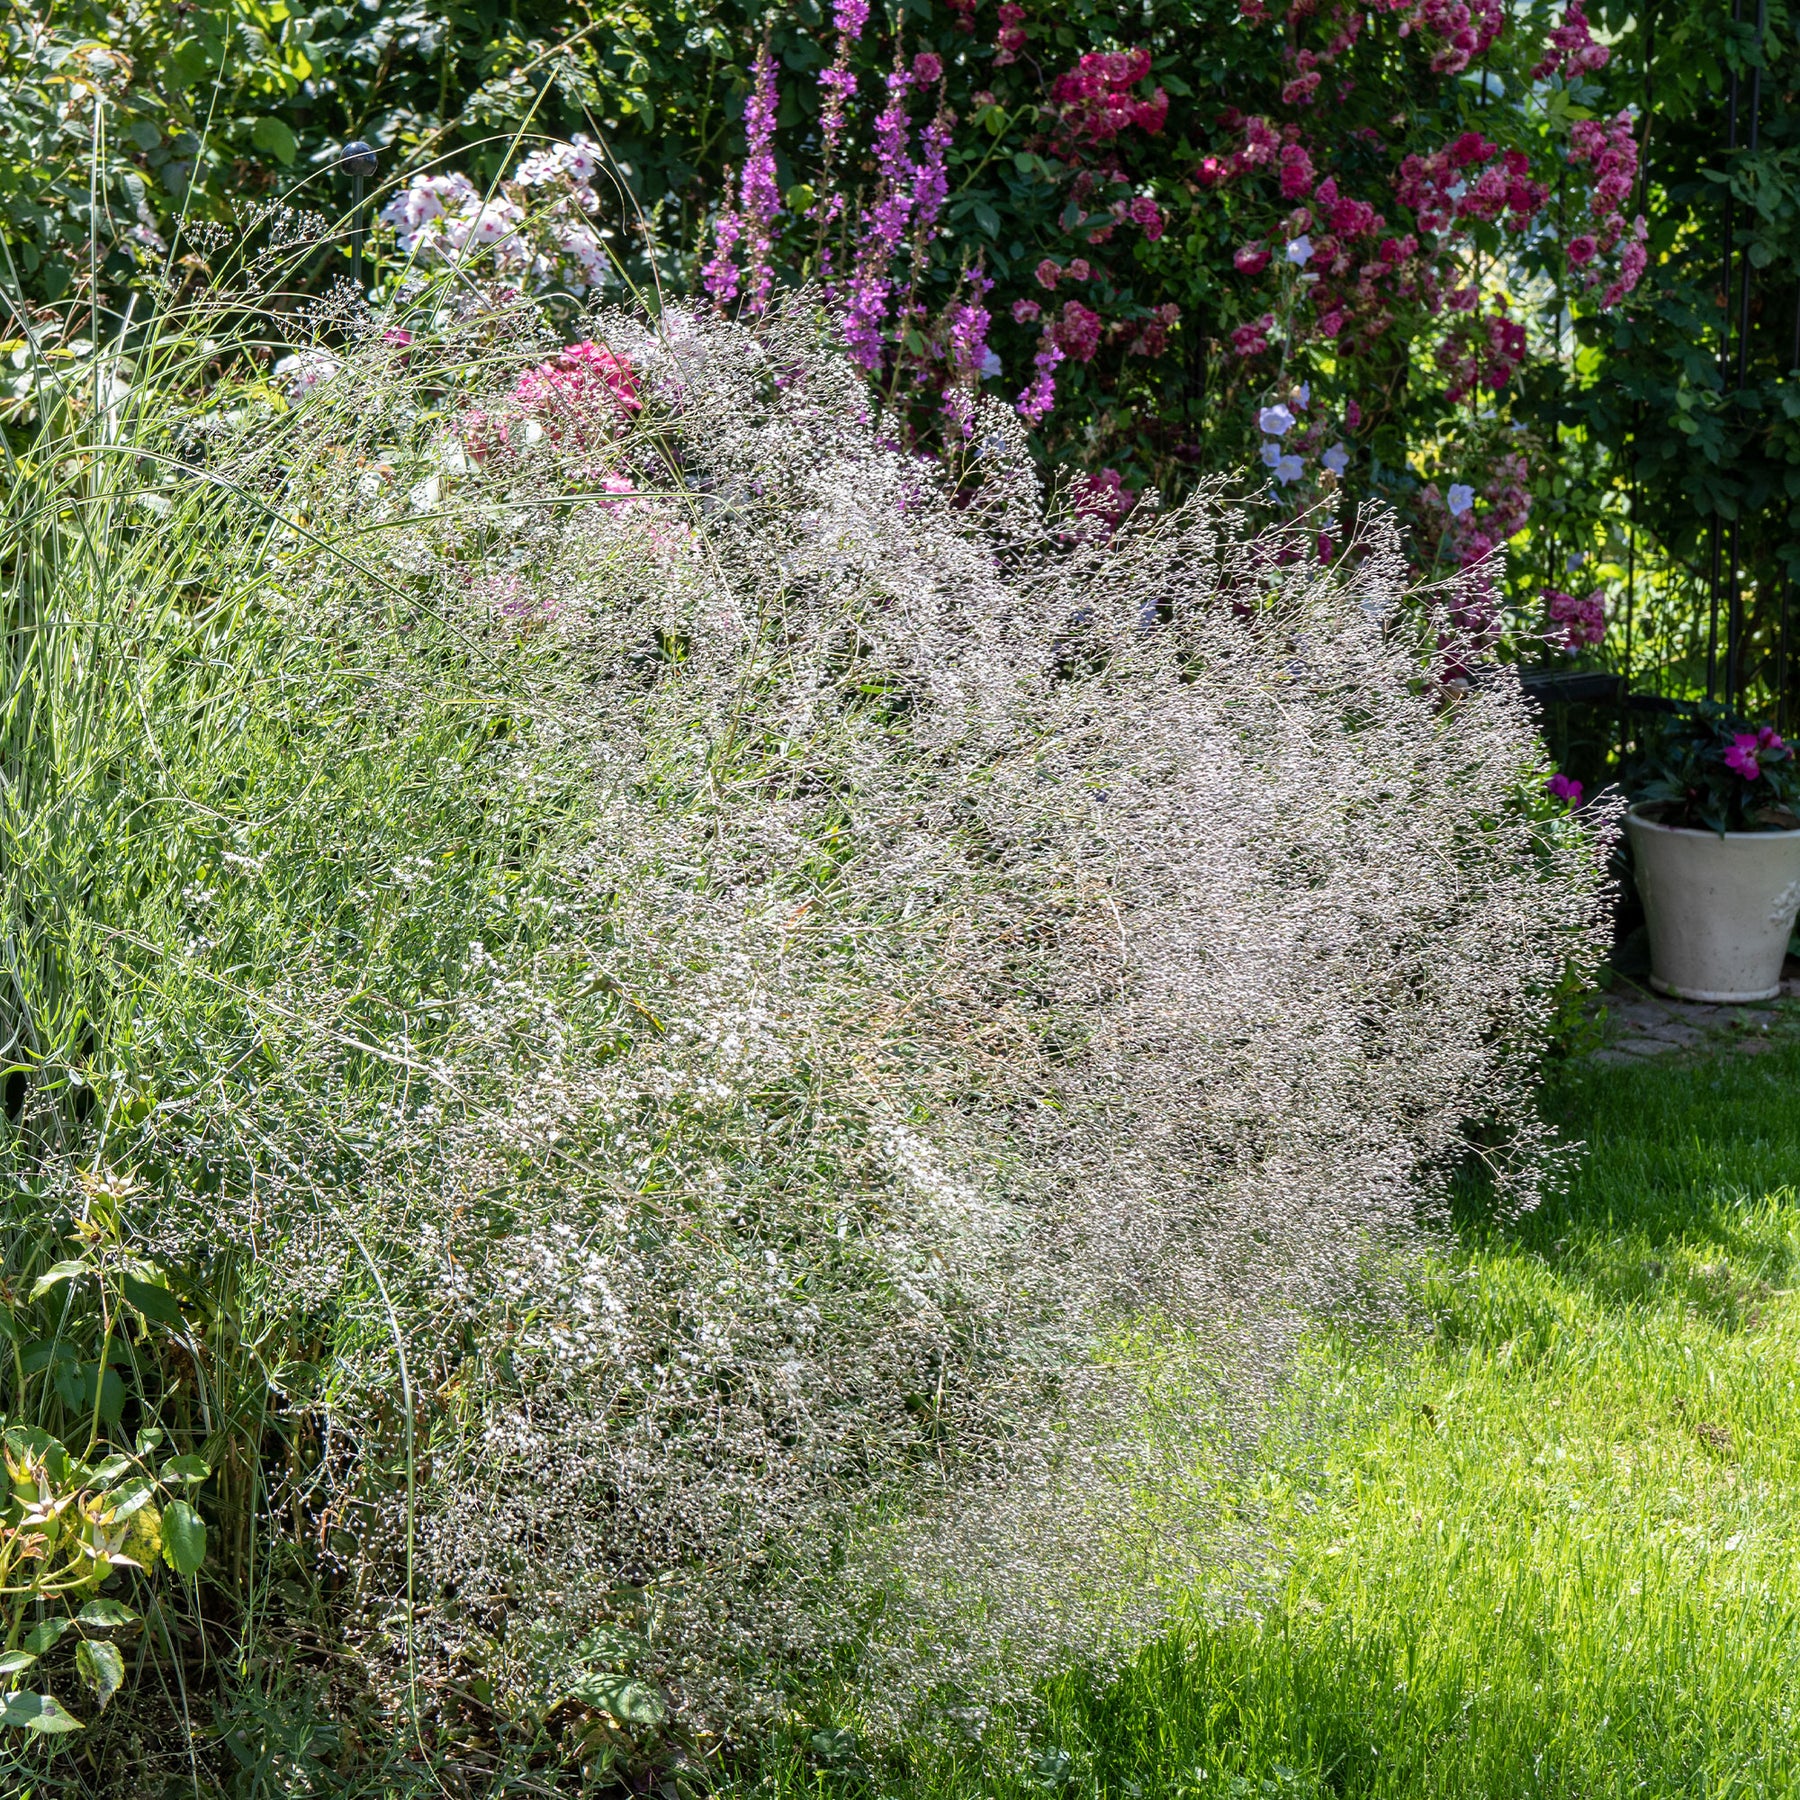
x,y
1685,1189
1521,1575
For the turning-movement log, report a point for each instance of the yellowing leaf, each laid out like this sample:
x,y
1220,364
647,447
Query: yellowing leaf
x,y
101,1667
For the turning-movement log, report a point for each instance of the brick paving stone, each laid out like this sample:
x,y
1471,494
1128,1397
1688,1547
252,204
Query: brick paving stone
x,y
1642,1023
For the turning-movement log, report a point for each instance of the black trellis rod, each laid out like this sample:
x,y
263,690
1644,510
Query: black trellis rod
x,y
1716,546
1781,658
1637,410
1734,615
1712,610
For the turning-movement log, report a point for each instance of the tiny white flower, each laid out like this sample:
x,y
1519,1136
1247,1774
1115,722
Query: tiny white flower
x,y
1336,459
1460,499
305,370
1275,420
1299,252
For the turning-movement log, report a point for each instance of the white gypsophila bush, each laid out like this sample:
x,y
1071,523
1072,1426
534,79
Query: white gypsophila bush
x,y
856,1018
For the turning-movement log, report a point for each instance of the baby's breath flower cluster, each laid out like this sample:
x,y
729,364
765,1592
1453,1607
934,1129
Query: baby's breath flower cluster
x,y
942,991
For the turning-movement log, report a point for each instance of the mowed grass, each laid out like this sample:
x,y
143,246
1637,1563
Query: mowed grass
x,y
1552,1550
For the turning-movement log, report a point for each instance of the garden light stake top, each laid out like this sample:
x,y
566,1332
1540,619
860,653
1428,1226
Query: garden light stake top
x,y
359,158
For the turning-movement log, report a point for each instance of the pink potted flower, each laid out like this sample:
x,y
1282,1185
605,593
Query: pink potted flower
x,y
1715,840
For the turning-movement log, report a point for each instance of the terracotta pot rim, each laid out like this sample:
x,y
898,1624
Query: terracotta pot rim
x,y
1731,837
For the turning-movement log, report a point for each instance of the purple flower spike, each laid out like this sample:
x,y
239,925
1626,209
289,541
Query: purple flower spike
x,y
839,83
884,229
761,196
932,182
968,322
1036,401
720,275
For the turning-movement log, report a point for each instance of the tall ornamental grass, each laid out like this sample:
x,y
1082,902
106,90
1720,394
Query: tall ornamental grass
x,y
740,1056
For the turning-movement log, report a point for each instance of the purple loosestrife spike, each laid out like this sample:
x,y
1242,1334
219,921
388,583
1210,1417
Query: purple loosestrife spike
x,y
761,195
968,321
1034,404
930,187
839,84
720,276
932,183
884,229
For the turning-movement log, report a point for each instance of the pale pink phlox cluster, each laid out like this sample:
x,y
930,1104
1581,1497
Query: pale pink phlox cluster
x,y
542,242
579,398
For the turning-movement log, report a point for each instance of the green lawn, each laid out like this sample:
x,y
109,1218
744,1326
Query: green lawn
x,y
1553,1551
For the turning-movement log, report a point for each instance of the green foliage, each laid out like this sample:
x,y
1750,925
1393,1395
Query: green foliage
x,y
290,770
156,1420
91,1502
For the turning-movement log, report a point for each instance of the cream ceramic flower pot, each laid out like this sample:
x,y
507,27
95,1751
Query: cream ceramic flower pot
x,y
1719,909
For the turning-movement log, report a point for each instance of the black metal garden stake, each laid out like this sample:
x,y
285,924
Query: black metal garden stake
x,y
359,158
